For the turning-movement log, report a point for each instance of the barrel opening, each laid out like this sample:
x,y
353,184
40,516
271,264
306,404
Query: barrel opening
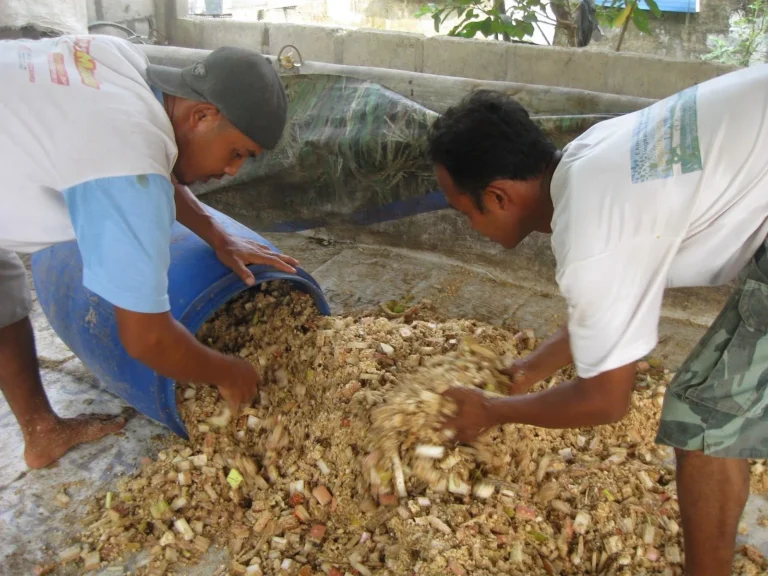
x,y
216,297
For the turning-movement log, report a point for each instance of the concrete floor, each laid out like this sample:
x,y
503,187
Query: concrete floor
x,y
353,277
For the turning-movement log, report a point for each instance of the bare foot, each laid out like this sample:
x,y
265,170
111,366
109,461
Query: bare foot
x,y
47,443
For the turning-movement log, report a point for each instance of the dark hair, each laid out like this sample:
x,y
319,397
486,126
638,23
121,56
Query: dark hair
x,y
488,136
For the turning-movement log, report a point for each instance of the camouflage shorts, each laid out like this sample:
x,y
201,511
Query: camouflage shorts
x,y
716,402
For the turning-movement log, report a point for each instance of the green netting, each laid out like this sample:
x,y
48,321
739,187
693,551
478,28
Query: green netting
x,y
349,145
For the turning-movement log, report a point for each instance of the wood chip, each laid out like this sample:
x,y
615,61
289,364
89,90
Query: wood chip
x,y
70,554
322,495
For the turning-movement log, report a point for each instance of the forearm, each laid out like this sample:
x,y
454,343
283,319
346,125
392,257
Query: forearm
x,y
160,342
552,355
192,213
572,404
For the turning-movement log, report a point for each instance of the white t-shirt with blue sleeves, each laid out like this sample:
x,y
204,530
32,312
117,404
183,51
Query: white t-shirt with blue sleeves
x,y
86,153
123,229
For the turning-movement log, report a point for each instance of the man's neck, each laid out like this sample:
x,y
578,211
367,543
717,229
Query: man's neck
x,y
546,208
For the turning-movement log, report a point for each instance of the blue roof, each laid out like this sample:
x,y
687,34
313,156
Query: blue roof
x,y
689,6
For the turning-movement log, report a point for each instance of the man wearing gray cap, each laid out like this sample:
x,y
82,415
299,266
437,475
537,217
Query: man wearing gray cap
x,y
98,145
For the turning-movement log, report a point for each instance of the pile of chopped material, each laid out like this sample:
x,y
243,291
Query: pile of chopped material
x,y
405,437
340,467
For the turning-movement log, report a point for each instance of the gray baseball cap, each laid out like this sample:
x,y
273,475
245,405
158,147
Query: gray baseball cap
x,y
240,82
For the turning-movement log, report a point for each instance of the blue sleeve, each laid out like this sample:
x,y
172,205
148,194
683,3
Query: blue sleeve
x,y
123,229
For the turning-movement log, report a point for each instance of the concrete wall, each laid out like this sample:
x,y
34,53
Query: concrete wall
x,y
622,73
675,35
120,10
135,14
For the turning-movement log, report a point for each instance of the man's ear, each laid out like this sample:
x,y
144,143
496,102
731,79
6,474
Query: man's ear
x,y
204,112
497,196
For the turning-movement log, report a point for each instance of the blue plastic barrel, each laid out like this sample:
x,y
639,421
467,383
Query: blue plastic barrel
x,y
198,285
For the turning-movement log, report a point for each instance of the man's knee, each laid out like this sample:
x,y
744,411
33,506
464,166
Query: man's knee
x,y
697,469
681,454
697,456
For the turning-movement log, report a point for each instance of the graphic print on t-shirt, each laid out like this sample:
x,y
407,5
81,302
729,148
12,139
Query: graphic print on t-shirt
x,y
666,135
25,62
78,109
58,68
85,63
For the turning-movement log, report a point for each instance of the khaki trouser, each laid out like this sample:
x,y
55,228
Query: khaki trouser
x,y
15,295
717,403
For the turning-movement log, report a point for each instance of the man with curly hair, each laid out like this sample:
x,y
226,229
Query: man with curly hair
x,y
672,195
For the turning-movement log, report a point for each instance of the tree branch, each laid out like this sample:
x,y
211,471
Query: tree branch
x,y
625,25
544,35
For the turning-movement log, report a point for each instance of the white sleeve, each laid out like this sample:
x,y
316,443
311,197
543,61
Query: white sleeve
x,y
614,304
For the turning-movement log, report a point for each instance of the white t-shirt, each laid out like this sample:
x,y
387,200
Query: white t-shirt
x,y
673,195
74,109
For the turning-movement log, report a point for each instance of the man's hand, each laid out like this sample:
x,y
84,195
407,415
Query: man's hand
x,y
519,381
238,253
474,415
160,342
240,385
551,355
235,253
602,399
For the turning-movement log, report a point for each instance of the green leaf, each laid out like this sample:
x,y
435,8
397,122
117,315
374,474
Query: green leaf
x,y
469,30
530,17
460,25
527,28
486,27
499,26
424,10
515,28
654,8
640,20
605,18
624,14
436,18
